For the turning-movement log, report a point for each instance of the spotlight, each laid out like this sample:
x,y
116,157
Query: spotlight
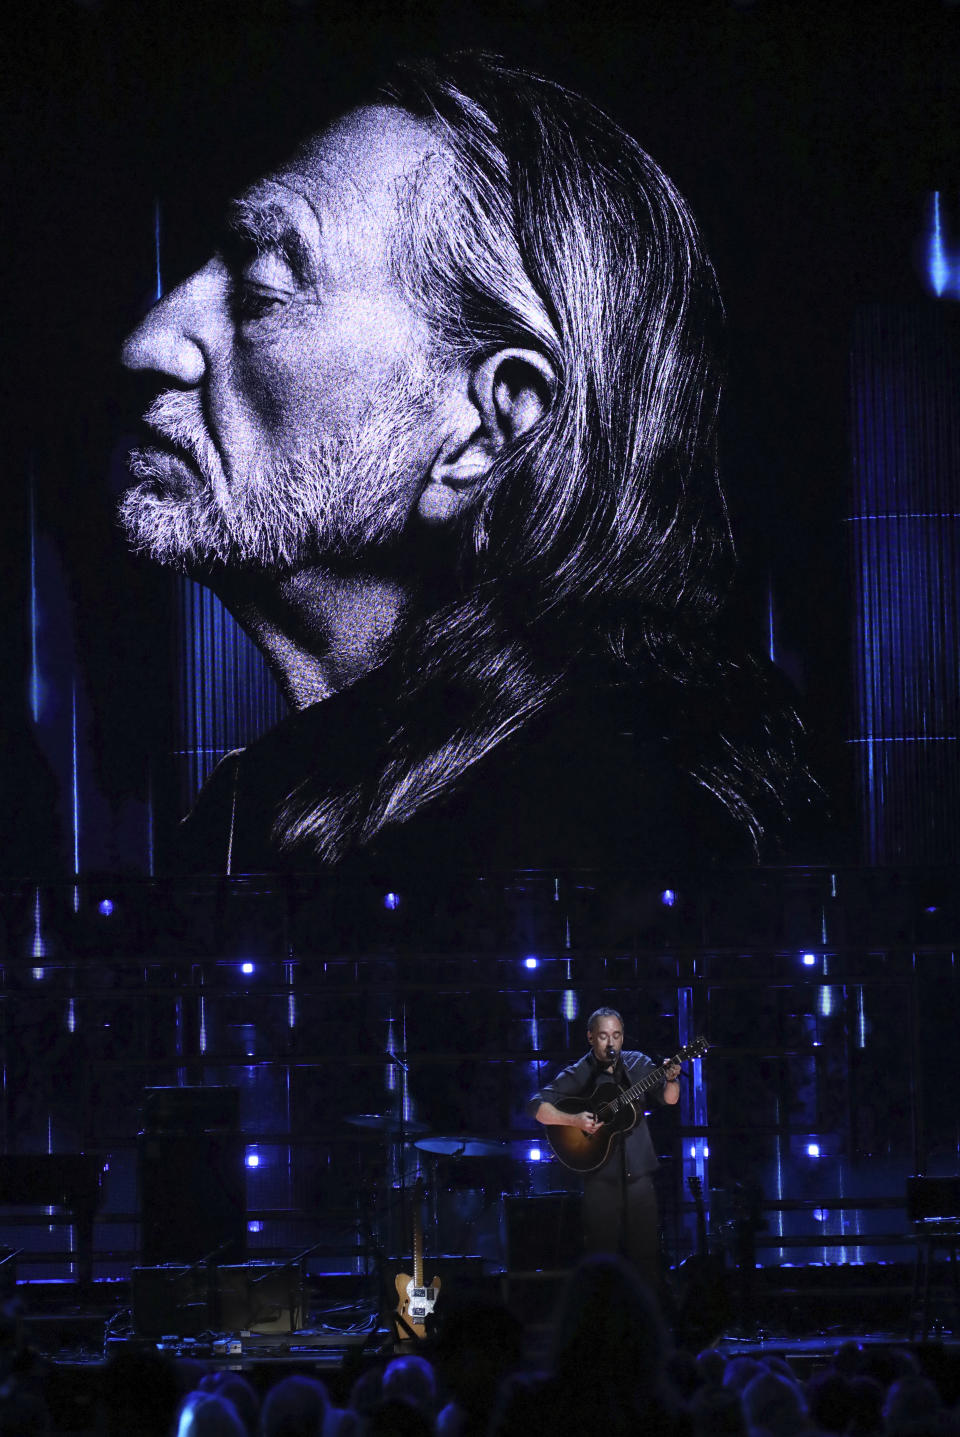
x,y
813,1150
246,968
531,962
809,959
668,898
391,901
534,1155
253,1160
255,1225
105,906
820,1214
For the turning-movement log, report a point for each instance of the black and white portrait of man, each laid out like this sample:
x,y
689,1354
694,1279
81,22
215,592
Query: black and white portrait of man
x,y
436,421
486,375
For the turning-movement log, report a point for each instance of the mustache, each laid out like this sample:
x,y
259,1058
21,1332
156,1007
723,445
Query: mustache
x,y
176,417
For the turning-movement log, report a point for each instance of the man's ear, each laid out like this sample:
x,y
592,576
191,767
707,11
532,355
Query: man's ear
x,y
502,398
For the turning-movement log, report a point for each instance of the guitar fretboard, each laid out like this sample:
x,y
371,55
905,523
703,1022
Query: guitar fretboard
x,y
655,1076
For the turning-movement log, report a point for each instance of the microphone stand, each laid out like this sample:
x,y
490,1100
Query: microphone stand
x,y
624,1243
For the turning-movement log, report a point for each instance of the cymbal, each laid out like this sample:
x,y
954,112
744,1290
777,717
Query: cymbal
x,y
385,1123
461,1147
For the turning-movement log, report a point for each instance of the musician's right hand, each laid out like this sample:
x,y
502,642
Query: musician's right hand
x,y
587,1122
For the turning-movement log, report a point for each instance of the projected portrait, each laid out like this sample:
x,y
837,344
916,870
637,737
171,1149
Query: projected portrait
x,y
436,422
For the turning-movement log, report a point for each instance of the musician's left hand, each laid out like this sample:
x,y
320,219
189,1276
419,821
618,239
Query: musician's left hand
x,y
671,1071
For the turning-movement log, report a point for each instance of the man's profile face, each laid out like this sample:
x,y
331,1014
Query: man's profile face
x,y
606,1034
295,382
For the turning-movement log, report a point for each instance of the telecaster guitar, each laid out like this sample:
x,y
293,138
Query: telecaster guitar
x,y
416,1301
616,1109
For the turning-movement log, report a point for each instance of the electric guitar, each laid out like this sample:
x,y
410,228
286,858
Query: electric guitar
x,y
615,1108
415,1301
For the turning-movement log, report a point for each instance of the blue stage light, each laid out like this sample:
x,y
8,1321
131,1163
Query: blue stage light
x,y
809,959
813,1150
569,1007
668,898
253,1160
255,1225
246,968
938,262
534,1155
531,962
391,901
820,1214
105,906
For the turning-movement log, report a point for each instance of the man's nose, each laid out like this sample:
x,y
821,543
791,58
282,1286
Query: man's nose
x,y
177,337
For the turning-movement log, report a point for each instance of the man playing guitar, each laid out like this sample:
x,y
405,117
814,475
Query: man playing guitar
x,y
619,1201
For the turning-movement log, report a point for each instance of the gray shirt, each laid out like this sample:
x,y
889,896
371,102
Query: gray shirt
x,y
580,1079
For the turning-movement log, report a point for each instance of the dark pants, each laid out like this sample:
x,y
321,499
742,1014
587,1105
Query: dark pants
x,y
604,1228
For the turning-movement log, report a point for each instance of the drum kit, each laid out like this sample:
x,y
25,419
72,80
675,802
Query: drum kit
x,y
463,1177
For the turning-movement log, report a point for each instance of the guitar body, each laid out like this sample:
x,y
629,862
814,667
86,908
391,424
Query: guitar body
x,y
585,1152
415,1304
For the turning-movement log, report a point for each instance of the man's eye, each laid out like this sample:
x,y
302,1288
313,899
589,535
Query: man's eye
x,y
250,302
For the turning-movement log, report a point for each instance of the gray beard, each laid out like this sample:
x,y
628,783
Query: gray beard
x,y
331,497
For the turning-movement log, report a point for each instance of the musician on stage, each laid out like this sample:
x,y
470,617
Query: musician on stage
x,y
619,1200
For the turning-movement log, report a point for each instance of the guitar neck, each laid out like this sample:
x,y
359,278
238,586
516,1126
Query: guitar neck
x,y
417,1237
652,1079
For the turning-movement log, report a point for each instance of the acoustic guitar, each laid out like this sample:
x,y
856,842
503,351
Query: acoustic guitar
x,y
416,1301
617,1110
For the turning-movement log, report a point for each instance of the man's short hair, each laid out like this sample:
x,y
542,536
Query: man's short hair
x,y
599,1013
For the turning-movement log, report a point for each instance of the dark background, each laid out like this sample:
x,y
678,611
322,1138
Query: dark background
x,y
807,138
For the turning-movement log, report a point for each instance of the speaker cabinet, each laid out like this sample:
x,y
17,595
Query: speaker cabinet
x,y
191,1177
543,1232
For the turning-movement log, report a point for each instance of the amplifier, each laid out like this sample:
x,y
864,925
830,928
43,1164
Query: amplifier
x,y
177,1301
171,1301
543,1232
259,1297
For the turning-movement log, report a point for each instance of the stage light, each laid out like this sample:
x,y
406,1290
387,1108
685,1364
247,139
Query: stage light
x,y
931,908
569,1007
246,968
531,962
37,973
534,1155
105,906
255,1225
253,1160
938,262
809,959
391,901
668,898
693,1151
813,1150
820,1214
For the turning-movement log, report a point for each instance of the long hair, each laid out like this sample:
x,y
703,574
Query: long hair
x,y
601,533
